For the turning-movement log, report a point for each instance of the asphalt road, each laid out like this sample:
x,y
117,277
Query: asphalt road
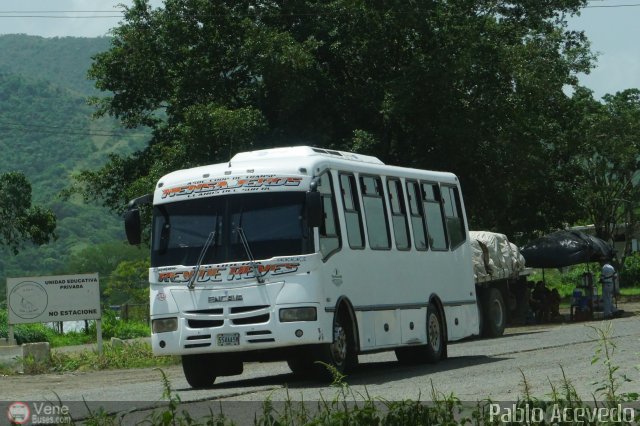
x,y
475,370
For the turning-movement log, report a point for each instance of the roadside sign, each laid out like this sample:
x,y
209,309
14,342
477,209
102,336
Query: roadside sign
x,y
53,298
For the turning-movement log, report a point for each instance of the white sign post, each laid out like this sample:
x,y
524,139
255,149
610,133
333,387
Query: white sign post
x,y
55,298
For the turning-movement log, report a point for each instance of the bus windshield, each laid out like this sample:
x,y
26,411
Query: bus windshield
x,y
273,224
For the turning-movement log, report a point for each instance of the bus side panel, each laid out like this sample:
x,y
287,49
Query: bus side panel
x,y
413,326
387,330
366,328
462,321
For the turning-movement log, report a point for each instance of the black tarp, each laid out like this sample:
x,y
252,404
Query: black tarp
x,y
565,248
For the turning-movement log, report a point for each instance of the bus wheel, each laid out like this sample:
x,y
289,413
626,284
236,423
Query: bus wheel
x,y
302,365
199,370
340,354
434,350
436,340
494,314
409,356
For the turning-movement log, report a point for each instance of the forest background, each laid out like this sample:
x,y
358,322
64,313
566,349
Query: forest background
x,y
485,89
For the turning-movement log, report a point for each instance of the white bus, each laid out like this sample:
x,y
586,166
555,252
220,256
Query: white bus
x,y
306,254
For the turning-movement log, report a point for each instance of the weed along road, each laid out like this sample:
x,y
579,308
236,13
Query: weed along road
x,y
475,370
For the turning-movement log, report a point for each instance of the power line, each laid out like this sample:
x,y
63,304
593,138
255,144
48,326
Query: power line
x,y
15,123
613,6
61,16
57,11
49,132
53,14
55,130
70,128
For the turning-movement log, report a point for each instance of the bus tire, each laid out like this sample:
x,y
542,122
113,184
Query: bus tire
x,y
436,339
410,355
340,355
494,313
199,370
435,348
301,366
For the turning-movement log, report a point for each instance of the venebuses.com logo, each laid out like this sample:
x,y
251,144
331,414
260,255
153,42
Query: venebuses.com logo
x,y
18,413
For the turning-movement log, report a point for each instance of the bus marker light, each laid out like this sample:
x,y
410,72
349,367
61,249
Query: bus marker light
x,y
298,314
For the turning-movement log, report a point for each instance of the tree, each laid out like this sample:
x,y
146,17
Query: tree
x,y
608,160
129,283
19,220
107,259
473,87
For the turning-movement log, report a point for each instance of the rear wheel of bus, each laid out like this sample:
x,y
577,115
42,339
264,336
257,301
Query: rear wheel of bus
x,y
435,348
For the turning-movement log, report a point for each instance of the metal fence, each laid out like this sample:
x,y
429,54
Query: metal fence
x,y
132,311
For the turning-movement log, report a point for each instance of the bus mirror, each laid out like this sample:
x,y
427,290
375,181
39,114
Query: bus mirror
x,y
314,209
132,226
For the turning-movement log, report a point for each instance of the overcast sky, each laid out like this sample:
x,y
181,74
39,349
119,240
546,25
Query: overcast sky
x,y
614,31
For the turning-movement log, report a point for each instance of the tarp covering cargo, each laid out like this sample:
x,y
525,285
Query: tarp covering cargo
x,y
494,257
565,248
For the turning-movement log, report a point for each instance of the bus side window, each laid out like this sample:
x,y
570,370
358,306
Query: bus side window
x,y
398,214
375,212
453,215
352,215
435,218
329,231
415,212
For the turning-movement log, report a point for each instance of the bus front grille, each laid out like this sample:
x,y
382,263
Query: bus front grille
x,y
197,345
243,309
261,340
257,319
194,323
199,337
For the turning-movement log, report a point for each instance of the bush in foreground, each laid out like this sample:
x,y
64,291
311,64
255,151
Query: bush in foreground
x,y
562,405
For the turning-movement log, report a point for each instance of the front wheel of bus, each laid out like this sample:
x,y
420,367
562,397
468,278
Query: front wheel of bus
x,y
199,370
301,366
340,354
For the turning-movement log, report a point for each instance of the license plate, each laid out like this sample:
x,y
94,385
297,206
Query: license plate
x,y
228,339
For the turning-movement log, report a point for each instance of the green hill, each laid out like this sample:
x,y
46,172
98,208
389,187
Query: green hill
x,y
47,133
62,61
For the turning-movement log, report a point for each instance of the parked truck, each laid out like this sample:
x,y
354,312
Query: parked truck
x,y
501,275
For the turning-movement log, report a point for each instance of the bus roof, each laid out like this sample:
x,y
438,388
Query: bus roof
x,y
299,160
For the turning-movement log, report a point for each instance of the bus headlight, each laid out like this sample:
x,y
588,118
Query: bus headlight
x,y
164,325
298,314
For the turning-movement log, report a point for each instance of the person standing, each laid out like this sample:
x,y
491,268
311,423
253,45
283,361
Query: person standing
x,y
608,276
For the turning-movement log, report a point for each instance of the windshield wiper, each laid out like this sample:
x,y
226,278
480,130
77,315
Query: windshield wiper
x,y
210,239
247,250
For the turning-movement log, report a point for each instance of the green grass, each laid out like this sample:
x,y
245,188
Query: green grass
x,y
129,355
565,282
630,291
350,407
133,354
111,327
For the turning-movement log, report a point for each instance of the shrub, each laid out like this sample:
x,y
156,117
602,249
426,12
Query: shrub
x,y
24,333
630,274
114,327
111,327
